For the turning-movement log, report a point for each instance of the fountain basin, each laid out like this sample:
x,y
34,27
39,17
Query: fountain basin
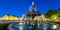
x,y
42,26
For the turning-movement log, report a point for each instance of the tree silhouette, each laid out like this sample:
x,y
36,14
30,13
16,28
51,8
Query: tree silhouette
x,y
49,13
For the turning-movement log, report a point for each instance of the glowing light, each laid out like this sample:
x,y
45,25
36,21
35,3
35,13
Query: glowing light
x,y
20,23
20,18
20,28
35,18
54,27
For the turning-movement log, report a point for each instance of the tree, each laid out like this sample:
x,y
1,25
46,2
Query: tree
x,y
58,11
49,13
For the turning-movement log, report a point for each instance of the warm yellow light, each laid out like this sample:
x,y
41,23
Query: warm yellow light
x,y
0,18
9,18
5,17
20,18
35,18
13,18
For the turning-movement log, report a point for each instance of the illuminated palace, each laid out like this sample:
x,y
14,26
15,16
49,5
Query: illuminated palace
x,y
9,17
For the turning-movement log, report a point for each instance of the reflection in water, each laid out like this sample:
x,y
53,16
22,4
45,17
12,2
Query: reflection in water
x,y
20,26
42,26
54,26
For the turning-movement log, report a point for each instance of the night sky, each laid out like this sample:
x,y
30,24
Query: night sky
x,y
19,7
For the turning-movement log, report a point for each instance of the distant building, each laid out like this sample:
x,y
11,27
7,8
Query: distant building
x,y
9,17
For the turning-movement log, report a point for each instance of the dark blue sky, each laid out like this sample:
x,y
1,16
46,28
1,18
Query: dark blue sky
x,y
19,7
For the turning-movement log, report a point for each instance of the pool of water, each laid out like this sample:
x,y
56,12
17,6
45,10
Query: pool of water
x,y
41,26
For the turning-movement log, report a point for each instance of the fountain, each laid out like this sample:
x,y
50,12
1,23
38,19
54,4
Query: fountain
x,y
29,23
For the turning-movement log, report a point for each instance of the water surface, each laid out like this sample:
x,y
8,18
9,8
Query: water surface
x,y
41,26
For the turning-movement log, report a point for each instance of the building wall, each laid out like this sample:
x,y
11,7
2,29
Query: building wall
x,y
6,17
